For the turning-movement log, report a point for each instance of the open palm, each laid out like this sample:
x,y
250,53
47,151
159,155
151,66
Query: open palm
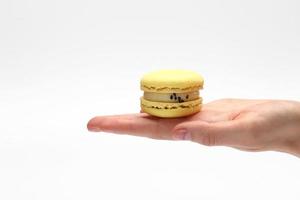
x,y
252,125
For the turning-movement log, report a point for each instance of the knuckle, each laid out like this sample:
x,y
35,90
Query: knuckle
x,y
206,137
157,131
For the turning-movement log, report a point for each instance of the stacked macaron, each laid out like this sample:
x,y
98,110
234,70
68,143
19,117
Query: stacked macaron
x,y
171,93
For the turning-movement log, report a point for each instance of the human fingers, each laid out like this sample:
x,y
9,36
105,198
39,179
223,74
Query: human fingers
x,y
140,124
227,133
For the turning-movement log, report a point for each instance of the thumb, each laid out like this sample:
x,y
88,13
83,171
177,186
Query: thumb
x,y
227,133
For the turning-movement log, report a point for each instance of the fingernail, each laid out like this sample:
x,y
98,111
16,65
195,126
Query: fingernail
x,y
182,134
94,129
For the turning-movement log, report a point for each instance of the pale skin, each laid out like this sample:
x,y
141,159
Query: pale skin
x,y
249,125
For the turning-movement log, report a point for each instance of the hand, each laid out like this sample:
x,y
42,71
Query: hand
x,y
251,125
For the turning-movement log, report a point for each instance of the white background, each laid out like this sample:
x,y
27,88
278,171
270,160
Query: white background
x,y
63,62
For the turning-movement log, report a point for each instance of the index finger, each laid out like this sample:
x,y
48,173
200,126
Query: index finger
x,y
140,124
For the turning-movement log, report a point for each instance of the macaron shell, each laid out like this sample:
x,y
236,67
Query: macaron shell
x,y
178,81
171,110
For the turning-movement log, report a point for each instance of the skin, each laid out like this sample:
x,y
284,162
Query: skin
x,y
249,125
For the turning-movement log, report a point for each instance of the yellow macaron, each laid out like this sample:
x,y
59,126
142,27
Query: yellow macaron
x,y
171,93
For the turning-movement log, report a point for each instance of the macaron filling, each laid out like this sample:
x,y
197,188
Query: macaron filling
x,y
171,97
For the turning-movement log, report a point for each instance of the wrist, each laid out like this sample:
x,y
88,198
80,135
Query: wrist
x,y
291,142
